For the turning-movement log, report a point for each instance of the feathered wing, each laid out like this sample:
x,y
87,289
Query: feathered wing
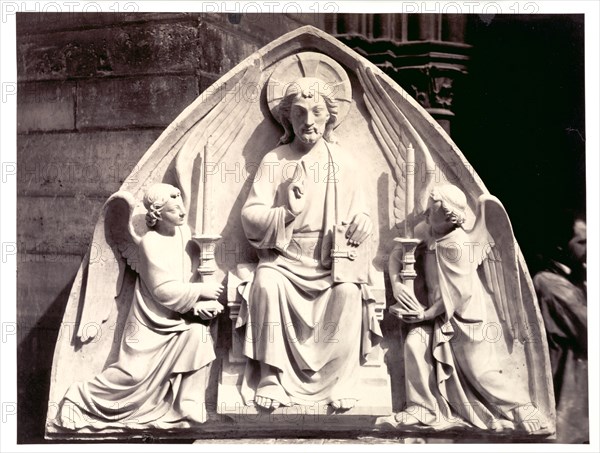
x,y
119,229
496,256
395,132
217,131
114,246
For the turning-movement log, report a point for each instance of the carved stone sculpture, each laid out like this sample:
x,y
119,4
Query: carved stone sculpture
x,y
303,326
267,212
159,377
466,322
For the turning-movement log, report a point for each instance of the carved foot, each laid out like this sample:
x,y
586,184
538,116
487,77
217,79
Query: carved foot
x,y
266,403
268,385
528,418
530,426
385,422
343,404
499,425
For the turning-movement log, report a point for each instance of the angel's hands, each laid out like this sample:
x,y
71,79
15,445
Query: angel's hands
x,y
412,317
359,229
405,298
207,309
211,290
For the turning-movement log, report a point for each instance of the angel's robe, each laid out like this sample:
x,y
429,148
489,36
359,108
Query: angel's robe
x,y
312,331
459,364
158,348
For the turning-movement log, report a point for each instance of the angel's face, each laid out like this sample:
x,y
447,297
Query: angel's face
x,y
436,218
173,212
309,116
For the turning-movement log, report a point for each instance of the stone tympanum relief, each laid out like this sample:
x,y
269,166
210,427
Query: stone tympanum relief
x,y
294,178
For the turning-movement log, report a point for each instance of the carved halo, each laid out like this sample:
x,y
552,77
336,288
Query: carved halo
x,y
310,65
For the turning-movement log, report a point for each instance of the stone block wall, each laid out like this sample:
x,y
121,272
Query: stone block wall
x,y
94,92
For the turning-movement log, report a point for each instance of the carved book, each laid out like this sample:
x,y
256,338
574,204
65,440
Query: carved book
x,y
349,263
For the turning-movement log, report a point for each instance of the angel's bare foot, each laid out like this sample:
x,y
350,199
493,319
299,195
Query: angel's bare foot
x,y
499,425
406,419
343,404
529,418
531,426
266,403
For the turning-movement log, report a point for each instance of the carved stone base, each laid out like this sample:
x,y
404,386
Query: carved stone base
x,y
377,402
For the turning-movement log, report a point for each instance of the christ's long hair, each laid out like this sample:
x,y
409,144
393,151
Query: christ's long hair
x,y
285,109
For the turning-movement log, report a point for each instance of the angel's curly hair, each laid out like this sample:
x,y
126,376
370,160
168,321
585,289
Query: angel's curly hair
x,y
454,202
285,109
155,199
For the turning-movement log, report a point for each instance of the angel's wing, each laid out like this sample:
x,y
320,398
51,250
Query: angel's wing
x,y
114,246
219,115
495,252
394,133
217,130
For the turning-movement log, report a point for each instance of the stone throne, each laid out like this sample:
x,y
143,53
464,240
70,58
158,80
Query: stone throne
x,y
211,152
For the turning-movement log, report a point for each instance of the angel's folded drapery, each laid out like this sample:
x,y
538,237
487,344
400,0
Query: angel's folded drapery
x,y
159,350
468,370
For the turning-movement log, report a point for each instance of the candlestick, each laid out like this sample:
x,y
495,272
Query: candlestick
x,y
207,244
204,237
207,189
409,204
408,273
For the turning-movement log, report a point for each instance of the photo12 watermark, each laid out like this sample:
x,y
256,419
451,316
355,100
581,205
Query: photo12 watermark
x,y
48,10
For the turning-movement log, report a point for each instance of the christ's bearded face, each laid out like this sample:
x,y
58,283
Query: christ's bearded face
x,y
309,116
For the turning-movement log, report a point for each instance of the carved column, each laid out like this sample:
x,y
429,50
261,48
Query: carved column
x,y
426,54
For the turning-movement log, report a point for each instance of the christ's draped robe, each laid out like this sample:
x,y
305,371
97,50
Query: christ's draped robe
x,y
312,331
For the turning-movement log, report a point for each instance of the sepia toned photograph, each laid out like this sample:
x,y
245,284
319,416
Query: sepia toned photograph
x,y
277,224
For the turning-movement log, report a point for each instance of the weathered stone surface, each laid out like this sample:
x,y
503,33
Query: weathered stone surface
x,y
53,273
316,17
221,50
92,164
156,48
355,439
45,106
120,103
149,47
53,226
48,19
205,81
262,27
43,285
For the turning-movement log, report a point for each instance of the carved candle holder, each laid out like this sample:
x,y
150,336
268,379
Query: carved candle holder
x,y
207,265
408,273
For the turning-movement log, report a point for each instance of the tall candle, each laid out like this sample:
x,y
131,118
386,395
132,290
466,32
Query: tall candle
x,y
409,205
207,190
